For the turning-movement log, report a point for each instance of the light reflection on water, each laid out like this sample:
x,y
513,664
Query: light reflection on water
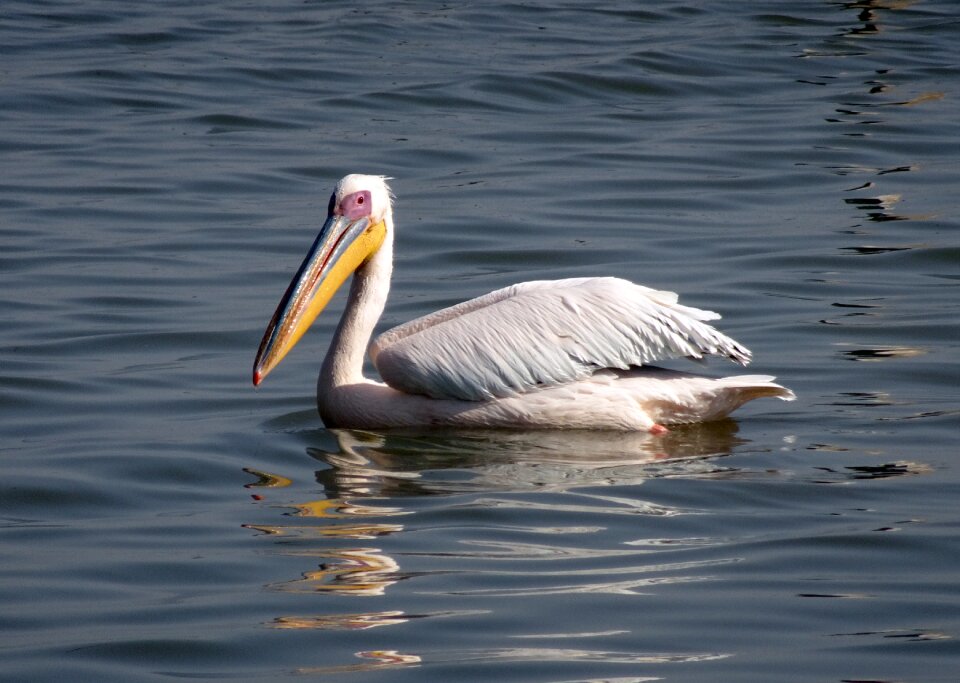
x,y
392,658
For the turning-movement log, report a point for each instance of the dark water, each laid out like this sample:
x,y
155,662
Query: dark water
x,y
793,165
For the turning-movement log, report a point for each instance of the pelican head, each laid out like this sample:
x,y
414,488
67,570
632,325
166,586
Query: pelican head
x,y
356,226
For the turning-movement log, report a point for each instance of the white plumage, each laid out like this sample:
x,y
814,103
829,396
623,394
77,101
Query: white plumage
x,y
572,353
544,333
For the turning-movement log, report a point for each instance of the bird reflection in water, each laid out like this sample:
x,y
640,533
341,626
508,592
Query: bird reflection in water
x,y
353,571
365,477
400,464
374,660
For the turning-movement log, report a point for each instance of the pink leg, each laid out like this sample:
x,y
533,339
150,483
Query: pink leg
x,y
658,430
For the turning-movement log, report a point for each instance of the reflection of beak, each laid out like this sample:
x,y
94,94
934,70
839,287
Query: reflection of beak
x,y
341,247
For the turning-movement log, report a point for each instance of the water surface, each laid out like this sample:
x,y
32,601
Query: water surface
x,y
792,165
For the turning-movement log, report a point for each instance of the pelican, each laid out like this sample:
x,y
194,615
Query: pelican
x,y
552,354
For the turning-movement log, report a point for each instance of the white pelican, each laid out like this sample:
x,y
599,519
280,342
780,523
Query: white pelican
x,y
548,354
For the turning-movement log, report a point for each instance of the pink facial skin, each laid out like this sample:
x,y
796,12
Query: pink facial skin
x,y
354,206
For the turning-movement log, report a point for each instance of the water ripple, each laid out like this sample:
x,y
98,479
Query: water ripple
x,y
789,165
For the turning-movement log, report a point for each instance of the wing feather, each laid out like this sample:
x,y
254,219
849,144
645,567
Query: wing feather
x,y
543,333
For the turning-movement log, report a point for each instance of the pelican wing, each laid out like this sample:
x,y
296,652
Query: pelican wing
x,y
543,333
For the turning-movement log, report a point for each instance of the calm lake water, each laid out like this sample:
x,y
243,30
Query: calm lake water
x,y
793,165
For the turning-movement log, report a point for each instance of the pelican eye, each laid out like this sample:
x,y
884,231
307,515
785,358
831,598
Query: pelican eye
x,y
356,205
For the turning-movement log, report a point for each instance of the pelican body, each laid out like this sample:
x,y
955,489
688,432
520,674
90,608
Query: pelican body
x,y
557,354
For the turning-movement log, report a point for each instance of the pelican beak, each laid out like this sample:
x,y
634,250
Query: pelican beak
x,y
342,246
